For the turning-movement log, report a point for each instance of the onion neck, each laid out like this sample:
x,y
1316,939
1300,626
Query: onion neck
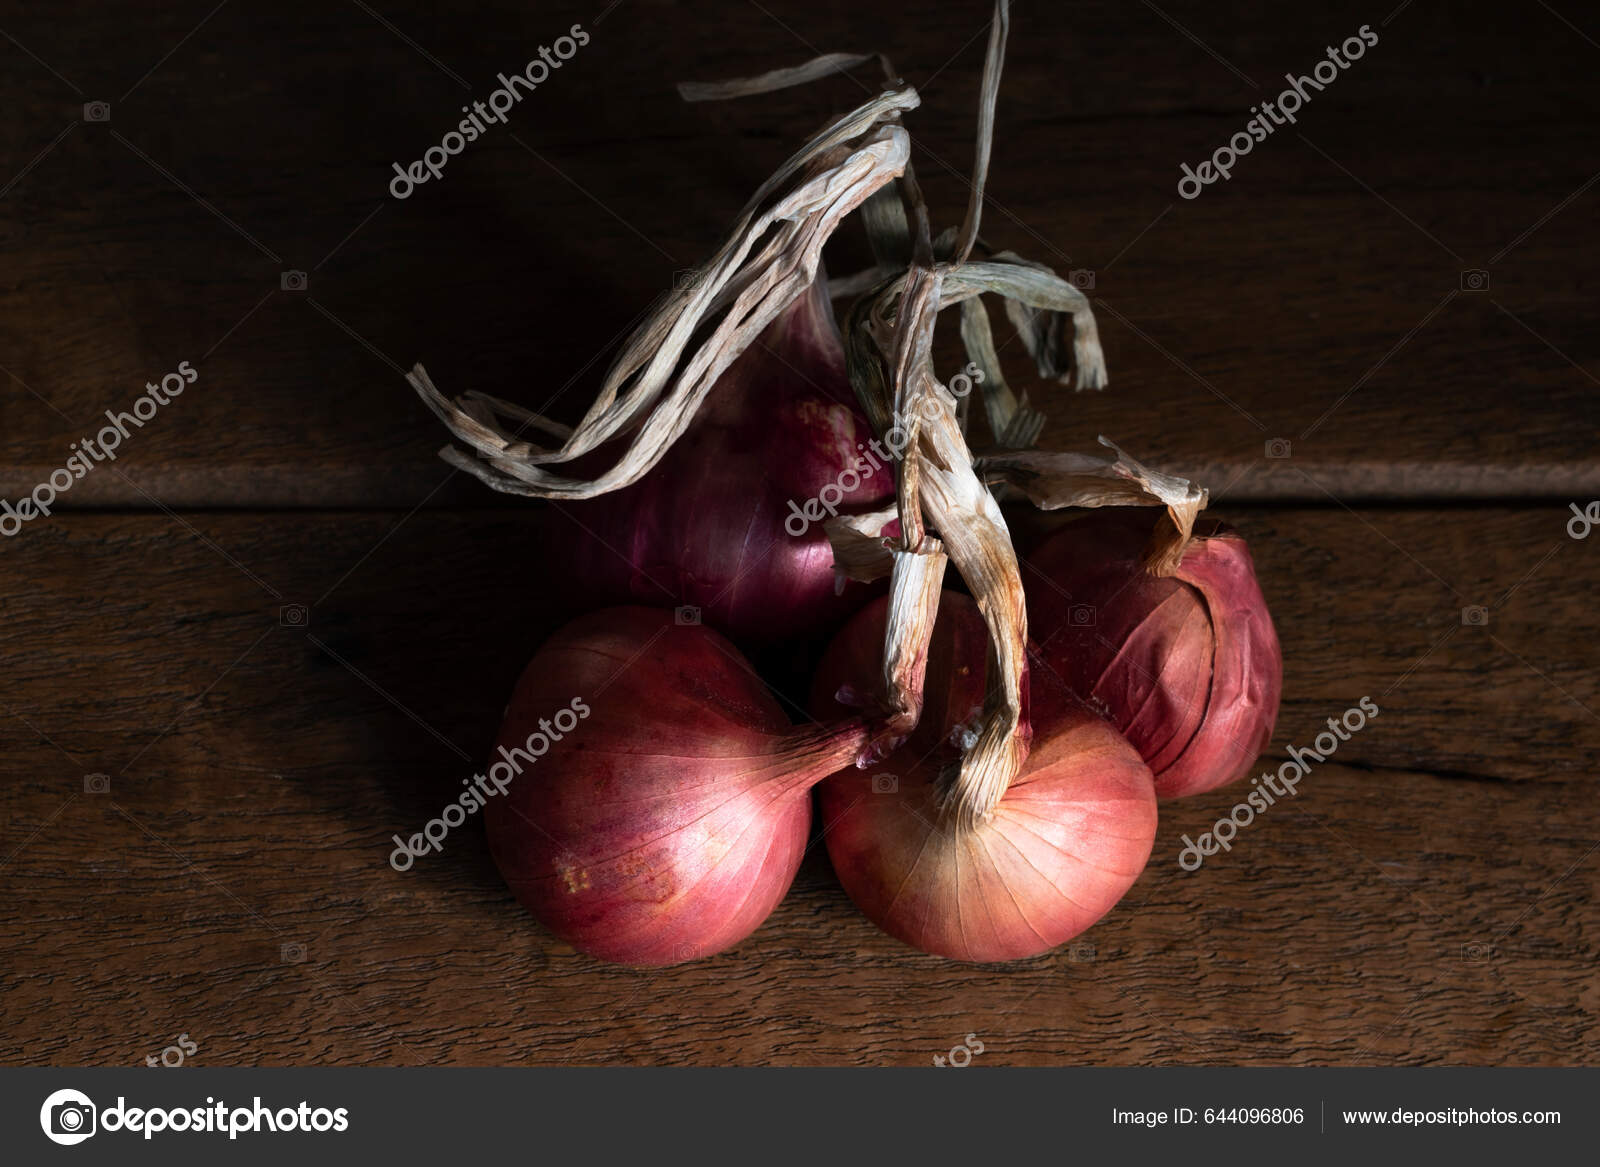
x,y
1170,539
801,759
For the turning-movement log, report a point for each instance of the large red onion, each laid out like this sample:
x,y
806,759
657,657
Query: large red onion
x,y
1187,666
669,823
1067,840
713,524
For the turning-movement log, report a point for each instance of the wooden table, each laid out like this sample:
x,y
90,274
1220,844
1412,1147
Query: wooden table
x,y
278,627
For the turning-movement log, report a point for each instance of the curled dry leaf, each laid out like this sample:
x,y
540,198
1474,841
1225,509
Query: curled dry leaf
x,y
860,550
889,344
1014,424
1040,304
1054,480
916,581
813,70
672,361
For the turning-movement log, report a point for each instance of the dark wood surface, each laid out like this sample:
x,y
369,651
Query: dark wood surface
x,y
1430,896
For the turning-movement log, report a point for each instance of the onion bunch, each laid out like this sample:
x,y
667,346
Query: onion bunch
x,y
984,796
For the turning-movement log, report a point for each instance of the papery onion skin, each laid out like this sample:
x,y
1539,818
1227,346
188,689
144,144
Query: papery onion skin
x,y
1188,667
668,825
706,526
1068,839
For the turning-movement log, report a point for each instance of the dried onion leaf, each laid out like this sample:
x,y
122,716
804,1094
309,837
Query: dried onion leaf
x,y
663,375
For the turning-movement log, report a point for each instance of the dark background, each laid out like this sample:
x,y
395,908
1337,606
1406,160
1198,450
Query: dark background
x,y
1429,897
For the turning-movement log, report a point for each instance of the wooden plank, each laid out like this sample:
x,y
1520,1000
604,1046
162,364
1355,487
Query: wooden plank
x,y
1429,897
1314,299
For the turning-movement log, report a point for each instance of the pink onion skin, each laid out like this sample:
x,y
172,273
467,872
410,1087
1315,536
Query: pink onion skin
x,y
671,821
1068,839
706,526
1188,667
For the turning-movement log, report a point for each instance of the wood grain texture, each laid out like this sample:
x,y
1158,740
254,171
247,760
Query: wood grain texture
x,y
1315,298
302,638
1429,897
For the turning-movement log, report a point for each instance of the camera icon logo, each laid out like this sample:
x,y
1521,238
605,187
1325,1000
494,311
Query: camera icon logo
x,y
1081,952
1477,952
292,281
294,616
1082,279
97,111
686,278
1474,279
1081,615
67,1117
1278,448
292,953
885,784
688,615
1475,616
97,783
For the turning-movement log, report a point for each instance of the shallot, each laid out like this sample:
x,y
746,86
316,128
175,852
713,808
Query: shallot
x,y
670,822
729,520
1063,844
1168,635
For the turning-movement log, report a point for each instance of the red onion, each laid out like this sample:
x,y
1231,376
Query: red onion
x,y
1065,842
1186,665
669,823
713,524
